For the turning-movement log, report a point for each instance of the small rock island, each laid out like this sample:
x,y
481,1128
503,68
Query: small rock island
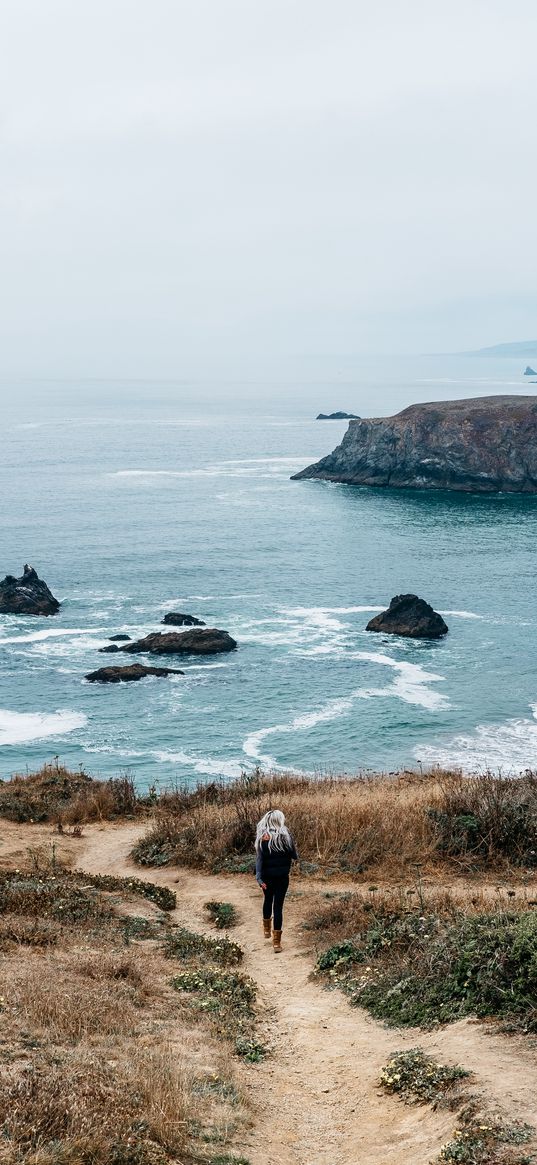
x,y
411,617
198,641
529,371
337,417
484,445
27,595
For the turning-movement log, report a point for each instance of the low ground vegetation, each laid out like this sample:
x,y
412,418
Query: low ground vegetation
x,y
223,914
99,1061
379,826
481,1137
185,945
420,958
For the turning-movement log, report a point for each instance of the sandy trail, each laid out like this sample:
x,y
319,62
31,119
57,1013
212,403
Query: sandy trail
x,y
316,1099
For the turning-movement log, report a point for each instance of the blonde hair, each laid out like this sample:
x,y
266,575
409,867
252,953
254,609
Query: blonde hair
x,y
273,823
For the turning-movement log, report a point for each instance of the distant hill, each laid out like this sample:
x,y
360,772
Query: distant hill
x,y
521,349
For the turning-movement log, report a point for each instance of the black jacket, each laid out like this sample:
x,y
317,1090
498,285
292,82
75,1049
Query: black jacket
x,y
274,863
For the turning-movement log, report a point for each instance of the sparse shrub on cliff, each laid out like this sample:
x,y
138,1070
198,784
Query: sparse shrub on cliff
x,y
55,793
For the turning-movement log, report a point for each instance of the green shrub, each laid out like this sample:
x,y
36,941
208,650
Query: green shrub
x,y
417,1077
184,945
223,914
162,896
419,970
228,998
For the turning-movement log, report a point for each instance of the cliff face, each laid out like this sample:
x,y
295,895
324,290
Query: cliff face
x,y
483,445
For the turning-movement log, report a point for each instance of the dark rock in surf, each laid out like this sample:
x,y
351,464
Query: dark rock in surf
x,y
119,638
411,617
337,417
198,641
130,673
484,445
177,619
28,595
110,647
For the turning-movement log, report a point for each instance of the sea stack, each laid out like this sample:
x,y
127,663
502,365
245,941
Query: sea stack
x,y
411,617
197,641
28,595
483,445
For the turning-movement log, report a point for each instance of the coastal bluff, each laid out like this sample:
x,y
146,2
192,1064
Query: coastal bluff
x,y
483,445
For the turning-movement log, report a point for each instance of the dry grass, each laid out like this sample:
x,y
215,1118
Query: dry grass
x,y
131,1109
340,915
101,1063
73,995
381,826
57,794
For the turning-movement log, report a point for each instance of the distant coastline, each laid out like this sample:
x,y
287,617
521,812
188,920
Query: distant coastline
x,y
520,349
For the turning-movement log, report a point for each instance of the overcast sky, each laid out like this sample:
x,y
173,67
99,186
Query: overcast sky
x,y
188,184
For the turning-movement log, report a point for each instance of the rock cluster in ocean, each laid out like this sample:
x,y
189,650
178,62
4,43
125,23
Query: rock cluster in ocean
x,y
28,595
484,445
411,617
178,619
129,673
198,641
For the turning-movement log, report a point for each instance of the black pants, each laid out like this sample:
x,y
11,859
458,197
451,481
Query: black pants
x,y
274,896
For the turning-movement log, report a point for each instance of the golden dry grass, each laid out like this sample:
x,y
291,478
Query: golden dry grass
x,y
382,826
101,1061
56,793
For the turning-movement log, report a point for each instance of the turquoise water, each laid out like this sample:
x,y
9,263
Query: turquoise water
x,y
131,500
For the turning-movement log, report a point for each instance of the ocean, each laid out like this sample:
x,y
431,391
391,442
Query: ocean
x,y
135,498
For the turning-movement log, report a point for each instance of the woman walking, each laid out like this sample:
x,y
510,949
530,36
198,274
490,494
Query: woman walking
x,y
274,852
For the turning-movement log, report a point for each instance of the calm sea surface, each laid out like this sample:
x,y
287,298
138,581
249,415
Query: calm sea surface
x,y
135,499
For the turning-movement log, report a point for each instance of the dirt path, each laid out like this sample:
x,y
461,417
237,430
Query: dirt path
x,y
316,1100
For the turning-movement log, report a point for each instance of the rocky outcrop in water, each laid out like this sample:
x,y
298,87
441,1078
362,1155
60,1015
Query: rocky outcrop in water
x,y
487,444
198,641
121,638
28,595
128,674
110,648
528,371
411,617
177,619
337,417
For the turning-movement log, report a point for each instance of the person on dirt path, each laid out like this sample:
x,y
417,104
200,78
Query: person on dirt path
x,y
274,852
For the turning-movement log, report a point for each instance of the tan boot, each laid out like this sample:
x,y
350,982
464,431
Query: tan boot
x,y
277,941
267,927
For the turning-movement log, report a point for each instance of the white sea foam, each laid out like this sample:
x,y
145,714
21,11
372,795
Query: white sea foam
x,y
52,633
511,746
307,612
23,727
410,685
206,765
463,614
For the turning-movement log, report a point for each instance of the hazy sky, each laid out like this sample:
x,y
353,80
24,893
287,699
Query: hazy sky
x,y
190,185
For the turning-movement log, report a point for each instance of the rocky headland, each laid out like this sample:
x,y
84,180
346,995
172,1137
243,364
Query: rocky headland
x,y
483,445
28,595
